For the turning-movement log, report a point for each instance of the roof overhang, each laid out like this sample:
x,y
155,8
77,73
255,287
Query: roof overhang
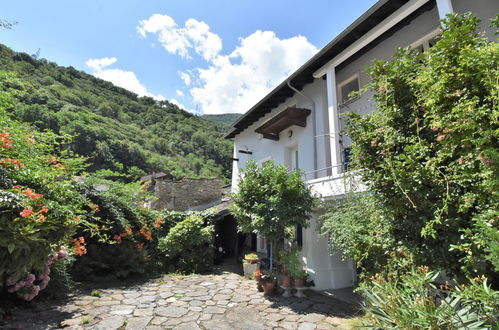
x,y
379,12
284,119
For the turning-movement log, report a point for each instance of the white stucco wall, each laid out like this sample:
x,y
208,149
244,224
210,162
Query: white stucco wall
x,y
418,28
279,151
328,269
485,9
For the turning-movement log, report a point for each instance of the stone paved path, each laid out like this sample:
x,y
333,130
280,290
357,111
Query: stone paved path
x,y
226,301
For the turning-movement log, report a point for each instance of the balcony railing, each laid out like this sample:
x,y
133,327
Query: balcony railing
x,y
332,186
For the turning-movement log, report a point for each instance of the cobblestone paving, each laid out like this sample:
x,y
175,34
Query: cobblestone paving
x,y
226,301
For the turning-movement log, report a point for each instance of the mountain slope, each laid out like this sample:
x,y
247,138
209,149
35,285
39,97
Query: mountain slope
x,y
114,127
225,120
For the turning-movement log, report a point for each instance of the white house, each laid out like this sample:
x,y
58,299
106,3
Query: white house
x,y
298,122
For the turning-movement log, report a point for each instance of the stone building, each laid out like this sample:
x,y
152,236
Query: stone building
x,y
184,194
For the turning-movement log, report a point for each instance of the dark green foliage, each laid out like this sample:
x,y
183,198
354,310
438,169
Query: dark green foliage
x,y
269,199
40,205
113,127
429,156
188,245
353,226
127,225
133,233
409,299
430,153
223,120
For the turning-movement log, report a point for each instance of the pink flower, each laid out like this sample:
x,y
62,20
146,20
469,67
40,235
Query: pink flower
x,y
9,282
44,282
34,292
30,279
62,253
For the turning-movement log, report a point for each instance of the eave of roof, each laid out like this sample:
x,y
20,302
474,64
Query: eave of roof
x,y
304,75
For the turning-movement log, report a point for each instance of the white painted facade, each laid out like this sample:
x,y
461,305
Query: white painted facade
x,y
318,148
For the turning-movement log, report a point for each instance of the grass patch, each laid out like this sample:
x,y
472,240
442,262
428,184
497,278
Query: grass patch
x,y
95,293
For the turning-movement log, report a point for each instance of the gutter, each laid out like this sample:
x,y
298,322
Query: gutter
x,y
314,123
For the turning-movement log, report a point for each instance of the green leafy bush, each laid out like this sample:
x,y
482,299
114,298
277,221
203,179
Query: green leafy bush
x,y
410,299
429,152
40,206
188,245
129,227
358,227
429,156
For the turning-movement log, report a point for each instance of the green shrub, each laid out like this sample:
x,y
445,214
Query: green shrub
x,y
410,299
129,227
429,151
40,206
358,227
188,245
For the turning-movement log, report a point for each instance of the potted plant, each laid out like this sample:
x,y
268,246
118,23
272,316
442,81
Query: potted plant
x,y
251,258
299,276
290,261
258,275
250,264
268,282
286,279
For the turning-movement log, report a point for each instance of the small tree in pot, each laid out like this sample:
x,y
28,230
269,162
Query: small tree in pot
x,y
269,199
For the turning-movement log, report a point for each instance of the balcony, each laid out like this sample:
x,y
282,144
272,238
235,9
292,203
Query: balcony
x,y
333,186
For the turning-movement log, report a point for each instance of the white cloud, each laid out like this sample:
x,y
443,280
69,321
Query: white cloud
x,y
121,78
186,78
179,93
236,82
194,35
98,63
233,82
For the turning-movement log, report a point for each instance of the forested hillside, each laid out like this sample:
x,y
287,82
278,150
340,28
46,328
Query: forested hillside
x,y
113,127
225,119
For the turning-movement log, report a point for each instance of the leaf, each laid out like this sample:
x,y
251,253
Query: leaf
x,y
11,247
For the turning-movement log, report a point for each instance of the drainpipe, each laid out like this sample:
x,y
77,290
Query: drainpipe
x,y
314,124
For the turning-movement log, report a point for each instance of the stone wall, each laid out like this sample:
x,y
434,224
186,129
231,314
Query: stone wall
x,y
187,194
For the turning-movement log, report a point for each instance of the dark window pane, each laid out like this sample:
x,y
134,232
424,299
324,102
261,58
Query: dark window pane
x,y
348,88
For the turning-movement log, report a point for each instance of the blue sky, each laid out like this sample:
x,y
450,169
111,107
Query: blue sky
x,y
207,56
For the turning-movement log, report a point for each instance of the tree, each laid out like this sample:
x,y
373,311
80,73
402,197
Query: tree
x,y
269,199
6,24
429,156
429,153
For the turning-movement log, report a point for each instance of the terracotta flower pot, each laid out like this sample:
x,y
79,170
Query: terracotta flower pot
x,y
268,287
251,260
286,281
299,282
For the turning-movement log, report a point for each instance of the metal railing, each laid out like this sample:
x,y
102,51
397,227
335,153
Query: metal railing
x,y
342,167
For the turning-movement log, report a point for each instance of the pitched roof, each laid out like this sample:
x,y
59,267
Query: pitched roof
x,y
304,75
157,175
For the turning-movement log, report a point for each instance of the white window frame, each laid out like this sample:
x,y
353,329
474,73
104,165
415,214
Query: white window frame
x,y
339,94
424,40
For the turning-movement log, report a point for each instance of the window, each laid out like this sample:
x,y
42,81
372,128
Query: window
x,y
346,158
347,87
299,235
294,159
426,42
